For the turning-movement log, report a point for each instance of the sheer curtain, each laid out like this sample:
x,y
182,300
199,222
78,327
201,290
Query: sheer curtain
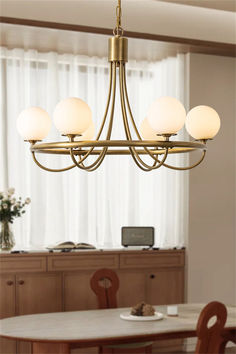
x,y
77,205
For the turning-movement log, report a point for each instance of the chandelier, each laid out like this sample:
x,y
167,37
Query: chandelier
x,y
73,118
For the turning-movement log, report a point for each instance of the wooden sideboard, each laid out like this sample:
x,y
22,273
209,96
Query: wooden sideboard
x,y
50,282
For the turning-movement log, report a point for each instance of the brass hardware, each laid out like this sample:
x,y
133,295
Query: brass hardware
x,y
118,49
9,282
157,151
21,282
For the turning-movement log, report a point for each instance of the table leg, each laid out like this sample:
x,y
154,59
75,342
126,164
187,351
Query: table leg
x,y
50,348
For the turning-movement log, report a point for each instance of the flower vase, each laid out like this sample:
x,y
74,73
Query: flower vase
x,y
7,241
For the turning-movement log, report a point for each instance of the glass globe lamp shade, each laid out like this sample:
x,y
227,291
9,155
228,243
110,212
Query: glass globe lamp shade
x,y
88,134
72,116
202,122
166,115
147,132
33,123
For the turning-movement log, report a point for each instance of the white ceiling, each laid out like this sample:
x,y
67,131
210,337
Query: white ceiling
x,y
225,5
147,16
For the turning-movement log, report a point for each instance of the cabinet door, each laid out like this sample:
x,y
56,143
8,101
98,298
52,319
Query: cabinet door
x,y
165,286
78,294
7,309
7,296
38,293
132,287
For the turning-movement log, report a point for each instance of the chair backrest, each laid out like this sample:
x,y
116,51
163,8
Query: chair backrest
x,y
210,338
105,284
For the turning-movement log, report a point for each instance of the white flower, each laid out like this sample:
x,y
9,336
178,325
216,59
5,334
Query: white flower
x,y
13,200
11,191
27,201
17,205
5,206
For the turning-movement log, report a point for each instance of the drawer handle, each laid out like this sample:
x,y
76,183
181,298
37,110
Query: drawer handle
x,y
9,282
21,282
152,276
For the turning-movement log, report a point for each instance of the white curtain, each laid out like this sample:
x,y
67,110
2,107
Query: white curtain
x,y
76,205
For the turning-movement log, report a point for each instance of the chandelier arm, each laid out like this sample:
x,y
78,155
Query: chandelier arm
x,y
188,167
112,87
111,79
133,121
91,167
112,69
102,155
50,169
128,105
133,152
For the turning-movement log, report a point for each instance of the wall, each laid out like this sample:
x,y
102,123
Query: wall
x,y
211,244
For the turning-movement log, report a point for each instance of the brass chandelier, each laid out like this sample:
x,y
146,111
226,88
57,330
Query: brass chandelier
x,y
73,118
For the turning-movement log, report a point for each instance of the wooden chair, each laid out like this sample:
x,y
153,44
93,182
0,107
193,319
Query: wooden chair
x,y
105,284
213,339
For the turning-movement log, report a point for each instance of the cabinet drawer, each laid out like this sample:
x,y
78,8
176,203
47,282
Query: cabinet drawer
x,y
77,262
22,264
161,260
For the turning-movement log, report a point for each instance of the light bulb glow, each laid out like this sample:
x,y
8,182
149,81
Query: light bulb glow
x,y
202,122
147,132
166,115
33,123
88,134
72,116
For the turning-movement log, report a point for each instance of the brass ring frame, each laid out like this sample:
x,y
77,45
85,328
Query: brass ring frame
x,y
156,150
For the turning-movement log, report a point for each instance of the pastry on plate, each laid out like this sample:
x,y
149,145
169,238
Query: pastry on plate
x,y
143,309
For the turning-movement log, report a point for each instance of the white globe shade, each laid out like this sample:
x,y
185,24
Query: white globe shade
x,y
72,116
202,122
33,123
88,134
147,132
166,115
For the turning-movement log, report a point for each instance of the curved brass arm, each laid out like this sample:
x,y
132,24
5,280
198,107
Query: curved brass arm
x,y
137,159
149,152
111,81
188,167
51,169
98,161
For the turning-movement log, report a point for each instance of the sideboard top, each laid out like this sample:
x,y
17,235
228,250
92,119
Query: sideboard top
x,y
95,252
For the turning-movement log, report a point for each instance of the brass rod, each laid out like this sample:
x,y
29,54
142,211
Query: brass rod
x,y
105,114
133,121
135,155
80,163
119,143
50,169
114,151
101,157
189,167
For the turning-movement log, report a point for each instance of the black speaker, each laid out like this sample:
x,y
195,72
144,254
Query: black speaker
x,y
137,236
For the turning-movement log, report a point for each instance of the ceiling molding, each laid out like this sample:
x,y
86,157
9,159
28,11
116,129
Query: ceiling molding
x,y
179,44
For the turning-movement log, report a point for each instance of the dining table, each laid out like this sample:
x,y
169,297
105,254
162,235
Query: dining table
x,y
61,331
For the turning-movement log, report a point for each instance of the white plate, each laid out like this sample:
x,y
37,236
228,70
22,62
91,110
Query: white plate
x,y
128,317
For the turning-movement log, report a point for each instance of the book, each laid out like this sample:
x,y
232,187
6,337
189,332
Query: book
x,y
71,245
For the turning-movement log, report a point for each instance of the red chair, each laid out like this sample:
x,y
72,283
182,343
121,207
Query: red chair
x,y
213,339
105,284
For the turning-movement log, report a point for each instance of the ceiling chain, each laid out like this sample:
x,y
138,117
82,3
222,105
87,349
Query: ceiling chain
x,y
118,31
